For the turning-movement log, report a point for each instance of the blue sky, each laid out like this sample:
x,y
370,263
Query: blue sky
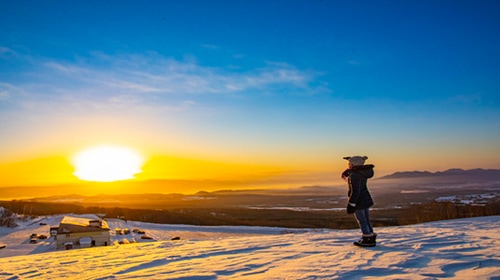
x,y
411,84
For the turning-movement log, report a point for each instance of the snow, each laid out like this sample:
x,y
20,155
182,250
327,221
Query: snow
x,y
82,222
469,199
446,198
298,209
458,249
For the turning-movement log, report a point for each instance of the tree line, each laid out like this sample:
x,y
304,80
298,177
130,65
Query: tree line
x,y
414,214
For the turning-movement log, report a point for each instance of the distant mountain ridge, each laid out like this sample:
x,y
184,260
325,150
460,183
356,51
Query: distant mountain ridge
x,y
478,172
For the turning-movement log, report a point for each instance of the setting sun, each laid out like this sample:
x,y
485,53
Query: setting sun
x,y
107,164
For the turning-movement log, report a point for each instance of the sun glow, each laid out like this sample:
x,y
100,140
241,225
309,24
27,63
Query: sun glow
x,y
107,164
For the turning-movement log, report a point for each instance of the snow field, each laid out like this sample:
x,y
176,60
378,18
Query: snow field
x,y
458,249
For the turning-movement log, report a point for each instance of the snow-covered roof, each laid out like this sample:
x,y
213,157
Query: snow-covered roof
x,y
82,222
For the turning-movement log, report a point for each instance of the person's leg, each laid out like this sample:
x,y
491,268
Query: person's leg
x,y
369,237
368,222
363,218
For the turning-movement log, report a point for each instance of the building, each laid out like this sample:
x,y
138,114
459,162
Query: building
x,y
74,232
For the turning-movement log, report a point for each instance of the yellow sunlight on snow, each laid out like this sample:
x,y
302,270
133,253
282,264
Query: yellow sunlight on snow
x,y
107,164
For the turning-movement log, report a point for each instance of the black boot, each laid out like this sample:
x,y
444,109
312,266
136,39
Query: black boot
x,y
367,241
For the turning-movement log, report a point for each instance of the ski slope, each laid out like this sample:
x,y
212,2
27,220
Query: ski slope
x,y
456,249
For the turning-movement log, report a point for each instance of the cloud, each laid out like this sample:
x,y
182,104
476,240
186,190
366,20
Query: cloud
x,y
148,80
4,51
5,91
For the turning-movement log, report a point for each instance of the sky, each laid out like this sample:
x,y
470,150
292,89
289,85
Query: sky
x,y
267,90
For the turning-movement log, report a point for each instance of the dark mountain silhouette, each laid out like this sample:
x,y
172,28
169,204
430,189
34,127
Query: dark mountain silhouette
x,y
477,173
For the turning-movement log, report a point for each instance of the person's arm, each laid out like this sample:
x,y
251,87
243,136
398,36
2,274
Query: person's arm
x,y
345,174
353,195
355,181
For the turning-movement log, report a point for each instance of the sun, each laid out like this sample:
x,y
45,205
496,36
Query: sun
x,y
107,164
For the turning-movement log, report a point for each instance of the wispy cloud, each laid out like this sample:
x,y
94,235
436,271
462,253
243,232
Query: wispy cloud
x,y
5,90
144,80
6,51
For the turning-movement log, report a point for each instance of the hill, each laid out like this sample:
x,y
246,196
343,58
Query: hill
x,y
477,173
461,249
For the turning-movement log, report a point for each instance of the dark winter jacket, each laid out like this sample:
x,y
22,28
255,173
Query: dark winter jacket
x,y
358,191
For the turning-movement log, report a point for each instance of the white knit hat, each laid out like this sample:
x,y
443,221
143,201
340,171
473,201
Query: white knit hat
x,y
356,160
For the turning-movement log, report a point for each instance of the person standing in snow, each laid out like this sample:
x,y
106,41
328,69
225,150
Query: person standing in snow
x,y
360,199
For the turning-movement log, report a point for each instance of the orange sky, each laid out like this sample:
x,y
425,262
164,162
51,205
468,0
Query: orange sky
x,y
54,170
59,170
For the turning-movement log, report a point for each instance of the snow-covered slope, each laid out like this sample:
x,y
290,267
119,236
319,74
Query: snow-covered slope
x,y
460,249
